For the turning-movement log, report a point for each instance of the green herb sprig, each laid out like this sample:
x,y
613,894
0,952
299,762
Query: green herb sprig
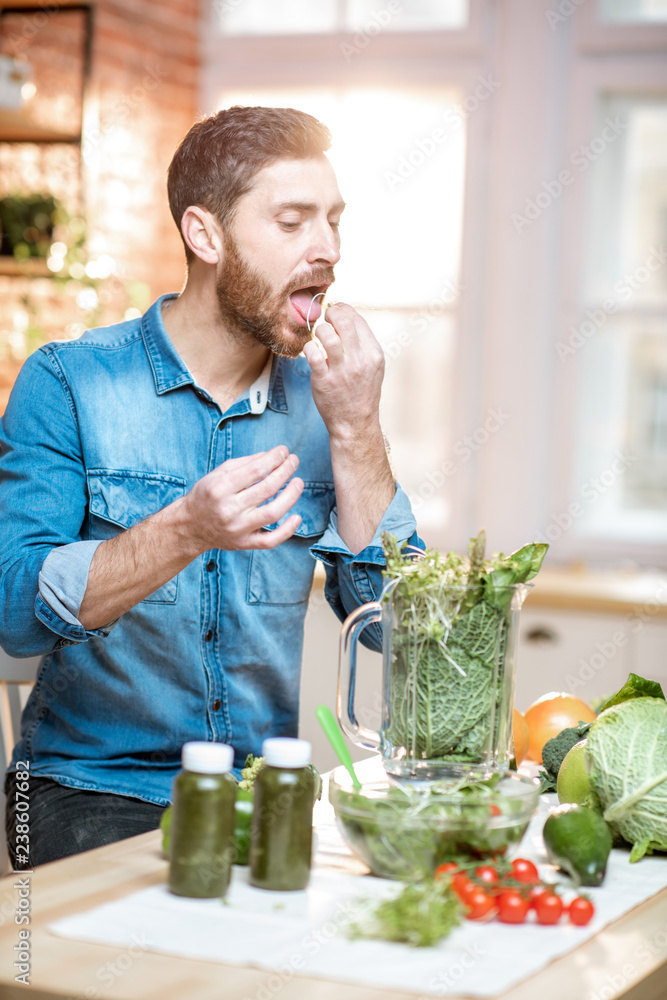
x,y
422,914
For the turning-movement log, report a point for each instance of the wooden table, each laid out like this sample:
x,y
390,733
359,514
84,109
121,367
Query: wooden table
x,y
628,957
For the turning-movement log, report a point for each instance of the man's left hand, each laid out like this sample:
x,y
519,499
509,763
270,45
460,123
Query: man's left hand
x,y
347,380
346,385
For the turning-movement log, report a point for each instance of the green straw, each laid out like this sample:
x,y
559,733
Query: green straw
x,y
335,737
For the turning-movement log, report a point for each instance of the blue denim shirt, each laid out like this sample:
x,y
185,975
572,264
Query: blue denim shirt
x,y
100,433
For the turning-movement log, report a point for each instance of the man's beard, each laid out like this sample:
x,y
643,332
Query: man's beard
x,y
250,310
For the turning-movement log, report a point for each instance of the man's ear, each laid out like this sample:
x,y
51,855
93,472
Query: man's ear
x,y
202,234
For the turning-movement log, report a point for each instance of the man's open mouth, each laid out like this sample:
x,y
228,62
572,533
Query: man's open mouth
x,y
305,307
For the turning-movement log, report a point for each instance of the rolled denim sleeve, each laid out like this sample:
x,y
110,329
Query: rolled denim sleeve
x,y
43,497
357,579
62,583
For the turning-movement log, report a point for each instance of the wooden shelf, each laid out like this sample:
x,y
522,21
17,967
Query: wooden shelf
x,y
17,127
33,267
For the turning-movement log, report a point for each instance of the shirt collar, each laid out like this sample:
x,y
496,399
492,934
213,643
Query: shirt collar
x,y
258,393
170,371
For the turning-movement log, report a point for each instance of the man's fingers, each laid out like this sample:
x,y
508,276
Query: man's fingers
x,y
258,492
348,324
332,343
235,463
269,513
271,539
315,356
256,468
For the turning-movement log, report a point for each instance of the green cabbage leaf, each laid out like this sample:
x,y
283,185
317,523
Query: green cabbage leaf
x,y
634,687
449,644
626,758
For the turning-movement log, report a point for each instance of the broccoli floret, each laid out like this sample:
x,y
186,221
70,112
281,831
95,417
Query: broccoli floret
x,y
554,751
253,766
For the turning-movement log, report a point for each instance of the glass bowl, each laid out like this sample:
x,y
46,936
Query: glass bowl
x,y
402,832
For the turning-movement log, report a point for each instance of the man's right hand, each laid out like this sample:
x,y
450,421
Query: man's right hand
x,y
228,508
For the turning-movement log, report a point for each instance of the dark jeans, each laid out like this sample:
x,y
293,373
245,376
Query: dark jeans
x,y
64,821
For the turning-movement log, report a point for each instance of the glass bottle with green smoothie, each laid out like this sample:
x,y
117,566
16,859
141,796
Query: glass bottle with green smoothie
x,y
281,831
202,826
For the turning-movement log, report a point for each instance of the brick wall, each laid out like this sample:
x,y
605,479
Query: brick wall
x,y
142,98
145,82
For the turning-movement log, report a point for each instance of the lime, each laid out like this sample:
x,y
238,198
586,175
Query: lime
x,y
572,783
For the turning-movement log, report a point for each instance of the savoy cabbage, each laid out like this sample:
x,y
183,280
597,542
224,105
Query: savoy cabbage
x,y
626,757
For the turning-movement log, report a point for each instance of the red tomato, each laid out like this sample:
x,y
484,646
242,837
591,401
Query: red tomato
x,y
548,907
535,893
486,873
581,910
494,810
512,907
524,870
462,886
446,869
479,904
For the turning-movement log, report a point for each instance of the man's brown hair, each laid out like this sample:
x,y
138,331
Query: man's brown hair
x,y
218,158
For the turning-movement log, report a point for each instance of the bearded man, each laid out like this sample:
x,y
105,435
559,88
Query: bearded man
x,y
157,544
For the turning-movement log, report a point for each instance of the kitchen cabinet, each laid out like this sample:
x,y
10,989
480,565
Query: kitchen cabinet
x,y
585,654
584,631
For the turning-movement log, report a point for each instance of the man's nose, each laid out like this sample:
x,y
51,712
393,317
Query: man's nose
x,y
325,246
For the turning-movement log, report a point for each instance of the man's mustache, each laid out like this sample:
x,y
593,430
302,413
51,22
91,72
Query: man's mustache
x,y
322,276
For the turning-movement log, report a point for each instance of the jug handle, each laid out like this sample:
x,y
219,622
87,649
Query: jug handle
x,y
354,624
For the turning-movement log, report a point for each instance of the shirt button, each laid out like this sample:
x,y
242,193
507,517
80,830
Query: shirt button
x,y
217,705
208,636
210,565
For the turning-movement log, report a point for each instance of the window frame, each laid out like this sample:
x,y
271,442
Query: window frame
x,y
639,76
593,35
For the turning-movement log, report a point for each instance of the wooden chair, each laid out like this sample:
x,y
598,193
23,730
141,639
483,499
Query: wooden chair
x,y
16,679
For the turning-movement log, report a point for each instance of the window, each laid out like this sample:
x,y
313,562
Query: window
x,y
401,238
623,332
266,17
632,11
476,261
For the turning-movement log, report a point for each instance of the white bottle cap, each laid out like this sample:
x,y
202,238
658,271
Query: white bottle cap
x,y
207,758
280,751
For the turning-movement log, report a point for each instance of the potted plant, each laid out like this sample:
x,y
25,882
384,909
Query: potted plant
x,y
26,225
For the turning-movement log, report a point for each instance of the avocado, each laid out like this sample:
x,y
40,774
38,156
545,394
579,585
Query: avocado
x,y
578,840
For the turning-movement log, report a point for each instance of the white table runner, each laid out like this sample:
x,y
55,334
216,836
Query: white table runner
x,y
302,933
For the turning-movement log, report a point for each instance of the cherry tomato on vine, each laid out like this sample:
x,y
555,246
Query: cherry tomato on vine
x,y
512,907
460,881
446,869
479,904
535,892
548,907
463,886
580,911
486,873
524,870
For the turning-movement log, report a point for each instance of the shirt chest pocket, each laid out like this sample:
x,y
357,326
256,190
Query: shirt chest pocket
x,y
284,575
119,499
